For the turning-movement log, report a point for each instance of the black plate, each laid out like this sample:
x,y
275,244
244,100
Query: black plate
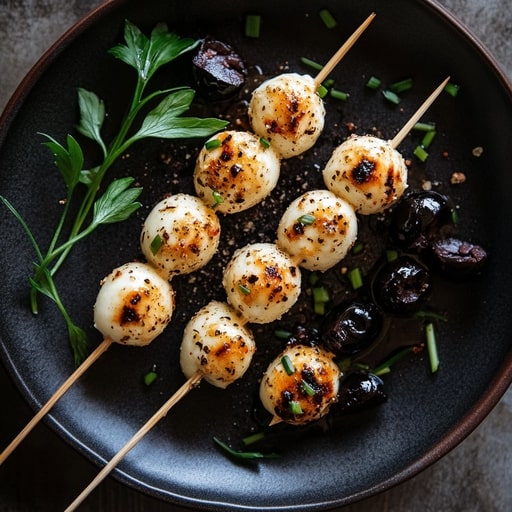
x,y
426,415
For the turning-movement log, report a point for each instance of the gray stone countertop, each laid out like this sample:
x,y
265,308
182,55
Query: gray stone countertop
x,y
475,476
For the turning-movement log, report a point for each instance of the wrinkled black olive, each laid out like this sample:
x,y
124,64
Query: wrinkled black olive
x,y
419,218
360,390
457,258
304,336
401,286
218,70
352,329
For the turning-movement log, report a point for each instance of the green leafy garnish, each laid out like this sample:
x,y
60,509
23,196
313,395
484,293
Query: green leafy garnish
x,y
96,204
244,455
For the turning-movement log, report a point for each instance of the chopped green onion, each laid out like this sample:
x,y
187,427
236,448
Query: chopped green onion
x,y
212,144
253,438
244,289
327,18
314,277
328,83
253,25
373,83
357,248
428,138
391,97
401,86
306,219
307,388
455,216
264,142
150,377
244,455
424,127
391,255
432,347
217,198
295,407
311,63
339,95
156,244
420,153
287,365
356,278
452,89
431,314
385,367
320,299
282,334
322,91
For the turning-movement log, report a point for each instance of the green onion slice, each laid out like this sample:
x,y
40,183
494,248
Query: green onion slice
x,y
328,19
428,138
295,407
356,278
339,95
420,153
373,83
253,25
244,289
217,198
307,388
401,86
150,377
306,219
432,347
452,89
424,127
156,244
265,142
212,144
287,365
391,97
311,63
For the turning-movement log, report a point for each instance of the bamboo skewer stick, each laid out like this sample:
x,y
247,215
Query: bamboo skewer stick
x,y
344,48
400,136
191,383
102,347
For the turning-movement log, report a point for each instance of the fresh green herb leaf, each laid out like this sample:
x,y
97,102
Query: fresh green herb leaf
x,y
212,144
92,116
244,455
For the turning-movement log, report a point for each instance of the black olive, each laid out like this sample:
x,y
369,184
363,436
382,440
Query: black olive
x,y
457,258
352,329
360,390
218,70
401,286
419,218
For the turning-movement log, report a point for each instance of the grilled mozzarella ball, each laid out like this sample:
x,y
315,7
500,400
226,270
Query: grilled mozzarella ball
x,y
288,112
261,282
300,385
367,172
317,230
180,235
217,344
235,171
134,305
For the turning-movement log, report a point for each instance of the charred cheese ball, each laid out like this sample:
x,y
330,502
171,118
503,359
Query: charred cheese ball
x,y
367,172
288,112
235,170
134,305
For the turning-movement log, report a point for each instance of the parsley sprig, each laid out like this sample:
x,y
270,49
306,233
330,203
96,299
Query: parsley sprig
x,y
119,199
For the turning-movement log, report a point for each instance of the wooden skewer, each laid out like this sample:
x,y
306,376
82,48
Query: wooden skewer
x,y
180,393
102,347
345,47
400,136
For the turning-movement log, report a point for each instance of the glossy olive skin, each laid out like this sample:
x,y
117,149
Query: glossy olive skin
x,y
360,390
401,286
352,329
420,218
458,258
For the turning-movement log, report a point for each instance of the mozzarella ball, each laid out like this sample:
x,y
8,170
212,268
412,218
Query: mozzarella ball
x,y
288,112
134,305
300,385
261,282
367,172
317,230
180,235
238,169
216,344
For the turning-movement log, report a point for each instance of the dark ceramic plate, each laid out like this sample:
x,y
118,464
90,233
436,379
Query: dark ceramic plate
x,y
426,414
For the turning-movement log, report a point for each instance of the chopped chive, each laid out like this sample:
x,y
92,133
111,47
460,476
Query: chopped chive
x,y
311,63
424,127
282,334
295,407
244,455
307,388
401,86
287,365
212,144
264,142
244,289
253,438
217,198
320,294
391,255
314,277
373,83
322,91
432,347
150,377
420,153
328,83
452,89
327,18
253,25
156,244
428,138
356,278
385,367
357,248
431,314
306,219
455,217
391,97
339,95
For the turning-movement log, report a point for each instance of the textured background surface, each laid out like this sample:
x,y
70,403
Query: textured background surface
x,y
475,476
